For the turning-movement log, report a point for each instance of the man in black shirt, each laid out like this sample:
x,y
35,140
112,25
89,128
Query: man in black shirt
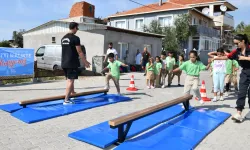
x,y
145,57
71,50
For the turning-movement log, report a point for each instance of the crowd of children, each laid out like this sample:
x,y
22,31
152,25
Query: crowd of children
x,y
223,72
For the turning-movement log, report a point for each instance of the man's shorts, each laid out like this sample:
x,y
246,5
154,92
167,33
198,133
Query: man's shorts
x,y
144,63
71,73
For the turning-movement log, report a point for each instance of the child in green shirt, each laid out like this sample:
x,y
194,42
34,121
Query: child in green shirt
x,y
158,67
150,66
178,64
114,66
193,67
170,66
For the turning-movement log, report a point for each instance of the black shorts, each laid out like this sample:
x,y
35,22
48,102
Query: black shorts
x,y
71,73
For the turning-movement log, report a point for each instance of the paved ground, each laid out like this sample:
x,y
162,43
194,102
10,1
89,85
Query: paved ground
x,y
52,134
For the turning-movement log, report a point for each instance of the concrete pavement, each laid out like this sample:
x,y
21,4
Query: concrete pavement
x,y
52,133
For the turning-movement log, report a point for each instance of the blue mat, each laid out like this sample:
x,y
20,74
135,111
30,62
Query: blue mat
x,y
101,135
15,106
43,111
182,133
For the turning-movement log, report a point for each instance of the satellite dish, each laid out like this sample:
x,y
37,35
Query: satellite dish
x,y
223,8
205,11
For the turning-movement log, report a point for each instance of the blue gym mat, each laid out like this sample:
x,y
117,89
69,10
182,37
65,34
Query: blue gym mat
x,y
101,135
182,133
43,111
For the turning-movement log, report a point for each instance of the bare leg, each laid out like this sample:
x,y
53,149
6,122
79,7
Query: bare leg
x,y
69,88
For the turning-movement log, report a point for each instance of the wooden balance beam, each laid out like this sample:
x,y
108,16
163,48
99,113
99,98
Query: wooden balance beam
x,y
53,98
128,119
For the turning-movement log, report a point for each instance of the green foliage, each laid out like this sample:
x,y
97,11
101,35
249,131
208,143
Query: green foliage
x,y
184,29
243,28
174,36
18,38
5,44
154,27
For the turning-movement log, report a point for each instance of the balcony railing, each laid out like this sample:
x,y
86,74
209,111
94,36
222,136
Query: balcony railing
x,y
207,31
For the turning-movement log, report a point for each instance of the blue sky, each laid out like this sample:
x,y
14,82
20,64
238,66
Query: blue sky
x,y
26,14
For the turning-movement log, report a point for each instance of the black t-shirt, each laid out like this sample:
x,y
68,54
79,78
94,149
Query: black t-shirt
x,y
235,55
70,57
145,56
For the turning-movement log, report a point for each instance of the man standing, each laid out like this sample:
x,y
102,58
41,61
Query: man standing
x,y
71,50
138,62
111,50
145,57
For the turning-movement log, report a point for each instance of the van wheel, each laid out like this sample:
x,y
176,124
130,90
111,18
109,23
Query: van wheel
x,y
55,68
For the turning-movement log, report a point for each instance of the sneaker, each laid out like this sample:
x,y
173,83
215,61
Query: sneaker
x,y
68,102
226,94
237,118
148,87
152,87
215,99
163,86
169,85
221,98
179,84
106,87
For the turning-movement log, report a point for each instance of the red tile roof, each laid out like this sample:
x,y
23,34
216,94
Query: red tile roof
x,y
170,5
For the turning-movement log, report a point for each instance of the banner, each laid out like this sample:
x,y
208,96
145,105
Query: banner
x,y
16,62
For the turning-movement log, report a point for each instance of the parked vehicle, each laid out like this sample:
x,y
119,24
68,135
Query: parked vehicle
x,y
49,57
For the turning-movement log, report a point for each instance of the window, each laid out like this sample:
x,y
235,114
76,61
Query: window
x,y
40,51
138,23
120,24
194,21
53,39
165,21
196,41
122,51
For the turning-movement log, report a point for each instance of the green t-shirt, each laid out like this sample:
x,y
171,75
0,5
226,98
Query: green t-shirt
x,y
192,69
170,63
235,64
229,66
179,63
151,68
115,68
158,67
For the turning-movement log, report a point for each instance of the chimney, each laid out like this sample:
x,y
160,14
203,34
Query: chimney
x,y
160,2
82,9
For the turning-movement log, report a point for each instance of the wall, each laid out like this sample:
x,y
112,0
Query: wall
x,y
135,42
198,17
148,18
93,42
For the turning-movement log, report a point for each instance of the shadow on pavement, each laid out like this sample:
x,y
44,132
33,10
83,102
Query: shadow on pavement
x,y
138,94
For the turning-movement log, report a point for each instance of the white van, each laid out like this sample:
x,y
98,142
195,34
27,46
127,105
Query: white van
x,y
49,57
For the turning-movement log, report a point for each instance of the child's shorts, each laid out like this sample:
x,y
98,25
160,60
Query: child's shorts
x,y
150,75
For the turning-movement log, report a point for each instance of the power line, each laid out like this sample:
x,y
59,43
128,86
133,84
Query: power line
x,y
143,4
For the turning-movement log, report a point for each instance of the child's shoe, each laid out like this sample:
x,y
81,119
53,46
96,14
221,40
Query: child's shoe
x,y
215,99
221,98
163,86
148,87
152,87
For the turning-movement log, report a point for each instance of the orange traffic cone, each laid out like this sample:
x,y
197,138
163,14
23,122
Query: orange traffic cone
x,y
203,92
132,85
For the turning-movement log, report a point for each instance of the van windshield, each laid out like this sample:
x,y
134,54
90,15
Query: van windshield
x,y
40,51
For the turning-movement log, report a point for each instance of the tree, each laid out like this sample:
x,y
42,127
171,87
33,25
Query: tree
x,y
5,44
170,42
18,37
240,27
243,28
154,27
184,29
